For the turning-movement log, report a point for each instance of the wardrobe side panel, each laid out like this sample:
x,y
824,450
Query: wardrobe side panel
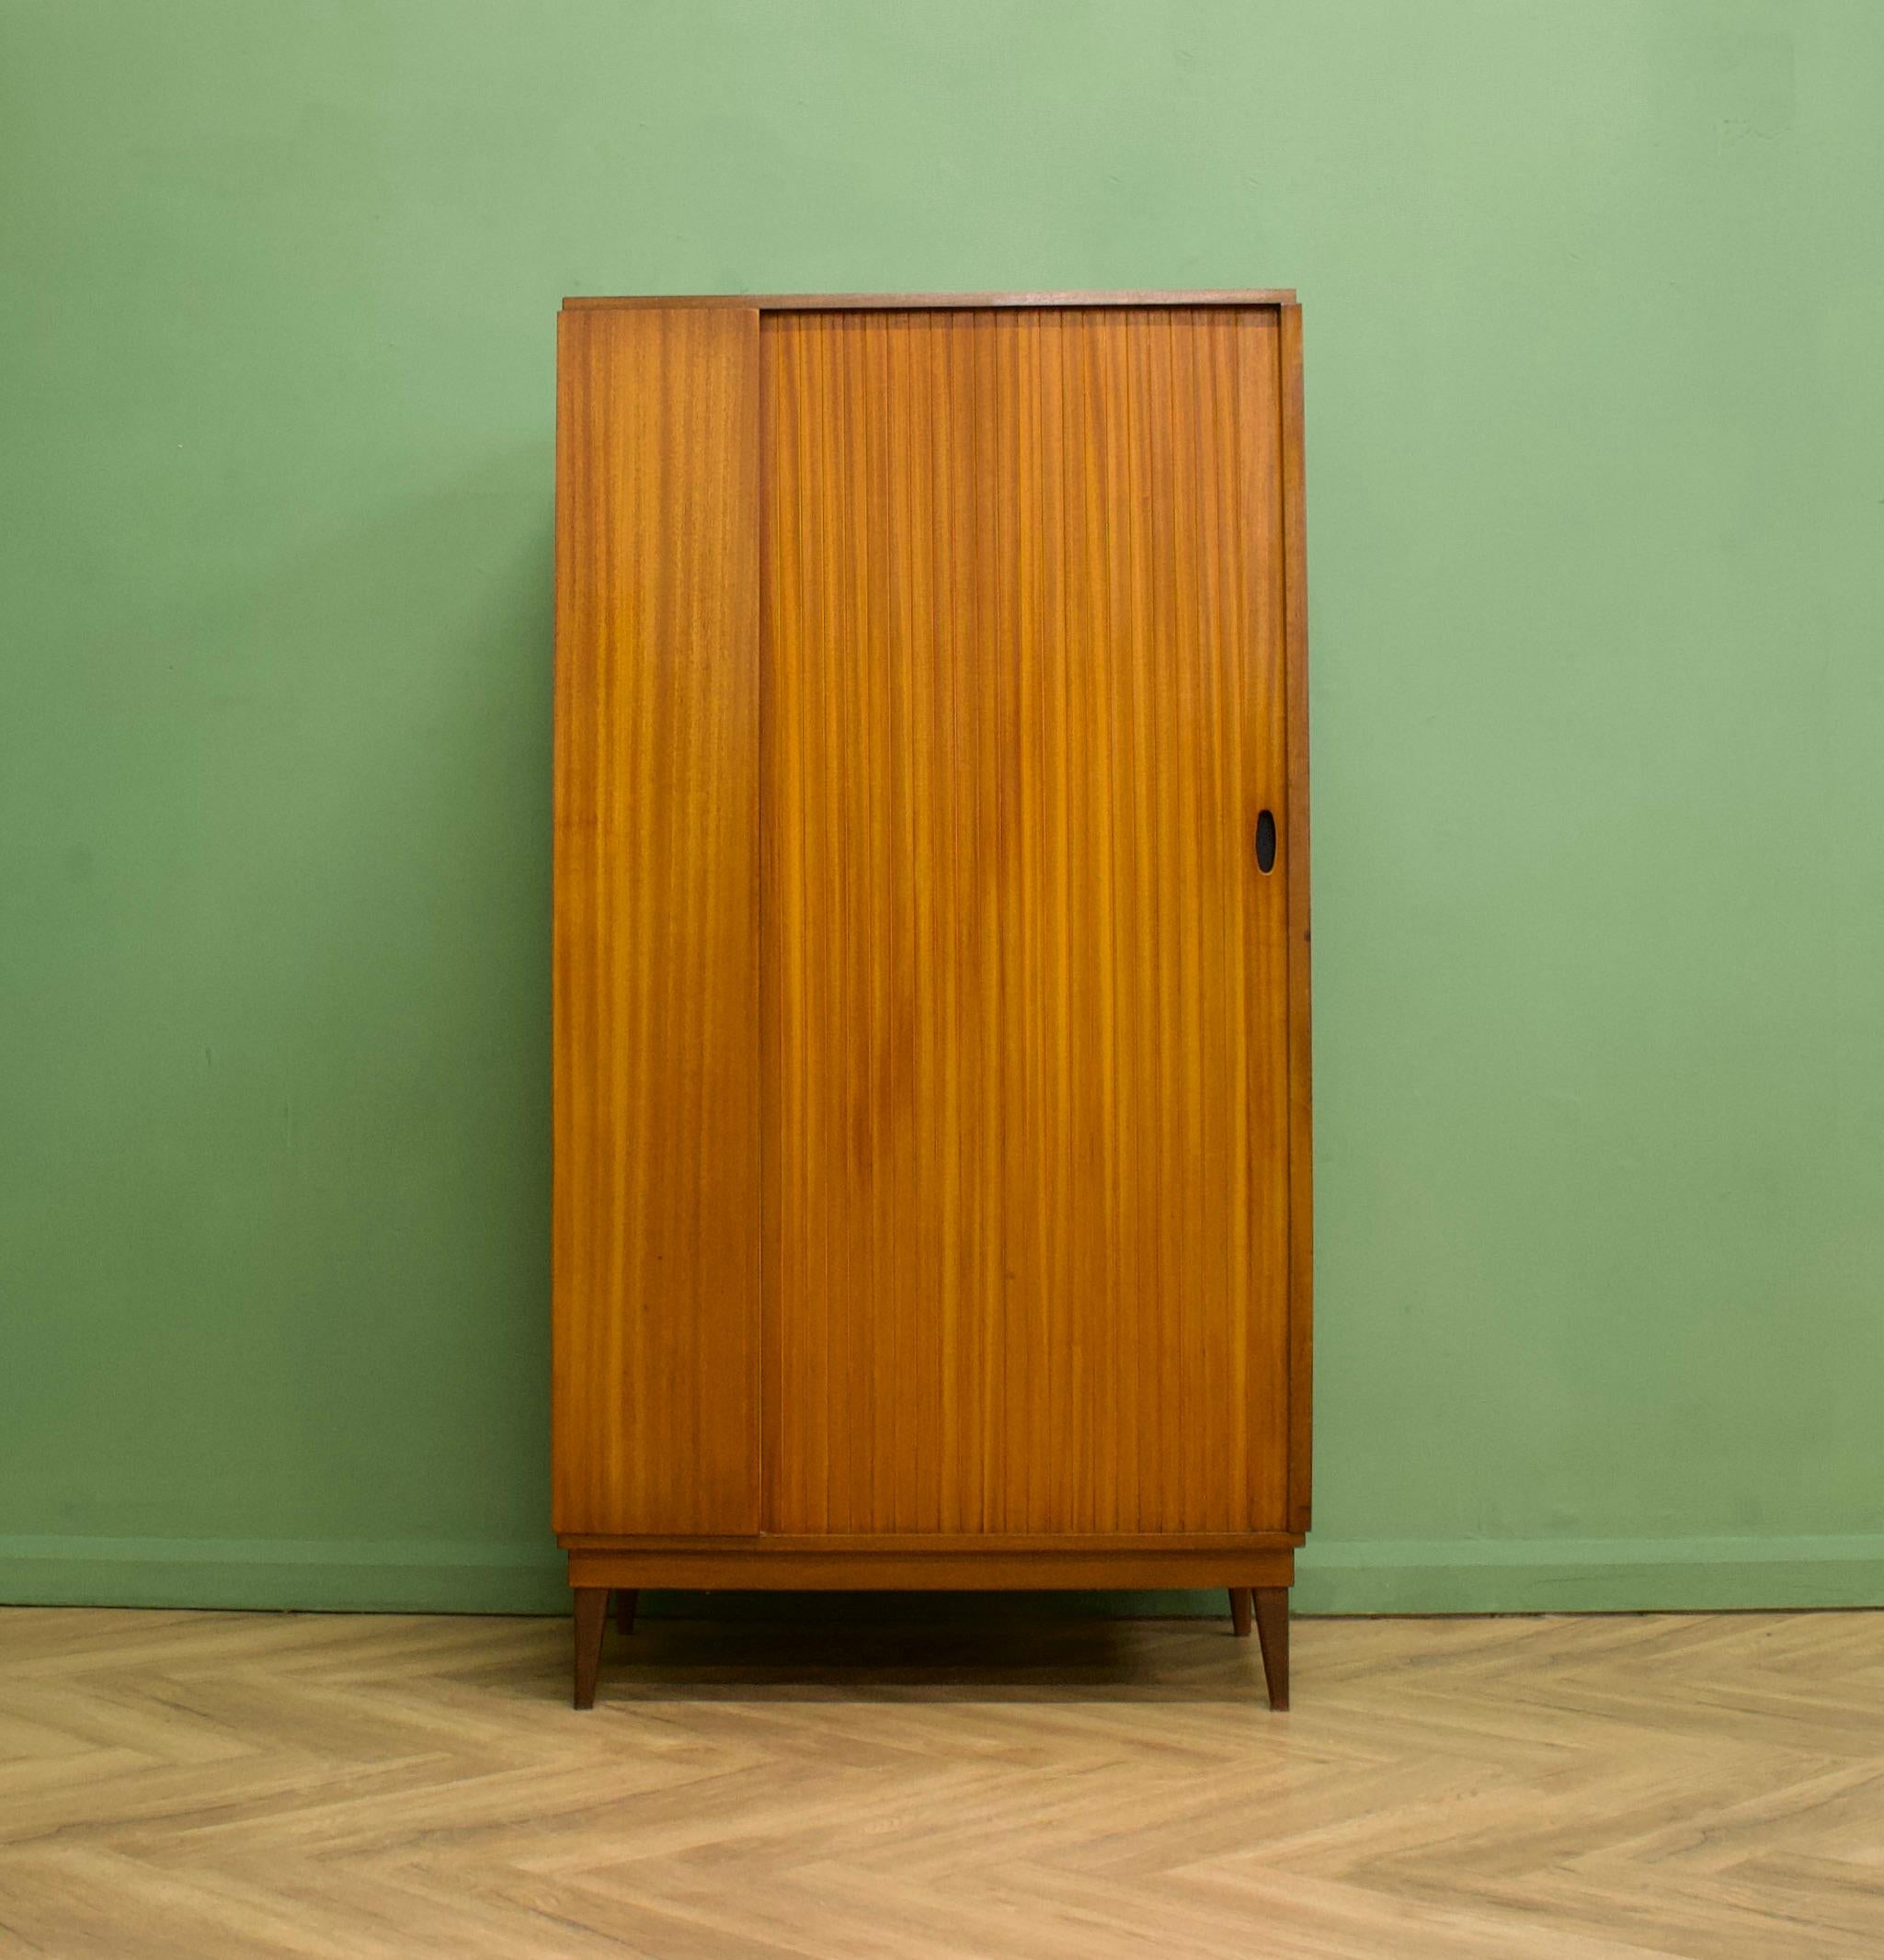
x,y
655,1040
1301,1151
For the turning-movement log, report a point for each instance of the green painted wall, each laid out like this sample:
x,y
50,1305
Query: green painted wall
x,y
1596,308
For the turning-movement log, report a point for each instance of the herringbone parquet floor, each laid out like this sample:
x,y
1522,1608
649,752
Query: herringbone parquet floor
x,y
187,1787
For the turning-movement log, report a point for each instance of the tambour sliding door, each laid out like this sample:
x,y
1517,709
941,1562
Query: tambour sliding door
x,y
1023,1106
930,1199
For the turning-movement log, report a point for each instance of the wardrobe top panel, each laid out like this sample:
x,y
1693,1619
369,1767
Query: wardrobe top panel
x,y
774,302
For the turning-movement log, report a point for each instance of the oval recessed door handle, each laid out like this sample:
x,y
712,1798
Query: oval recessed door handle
x,y
1265,841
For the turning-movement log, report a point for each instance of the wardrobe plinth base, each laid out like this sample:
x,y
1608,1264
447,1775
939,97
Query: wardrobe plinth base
x,y
1256,1572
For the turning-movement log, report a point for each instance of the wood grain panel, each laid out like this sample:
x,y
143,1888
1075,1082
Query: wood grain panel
x,y
1088,1543
1026,993
905,301
762,1567
1296,851
656,1206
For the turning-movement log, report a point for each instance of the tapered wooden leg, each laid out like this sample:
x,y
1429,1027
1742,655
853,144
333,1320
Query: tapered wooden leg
x,y
1272,1625
625,1597
1240,1611
591,1618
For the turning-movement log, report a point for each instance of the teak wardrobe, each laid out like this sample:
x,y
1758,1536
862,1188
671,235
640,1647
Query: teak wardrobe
x,y
931,1184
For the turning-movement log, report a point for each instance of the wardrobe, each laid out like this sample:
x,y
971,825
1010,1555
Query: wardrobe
x,y
931,1186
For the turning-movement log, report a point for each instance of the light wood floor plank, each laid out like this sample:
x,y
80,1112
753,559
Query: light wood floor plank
x,y
283,1786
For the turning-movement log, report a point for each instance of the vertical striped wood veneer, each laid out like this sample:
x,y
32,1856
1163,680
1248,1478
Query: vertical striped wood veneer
x,y
1023,1109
